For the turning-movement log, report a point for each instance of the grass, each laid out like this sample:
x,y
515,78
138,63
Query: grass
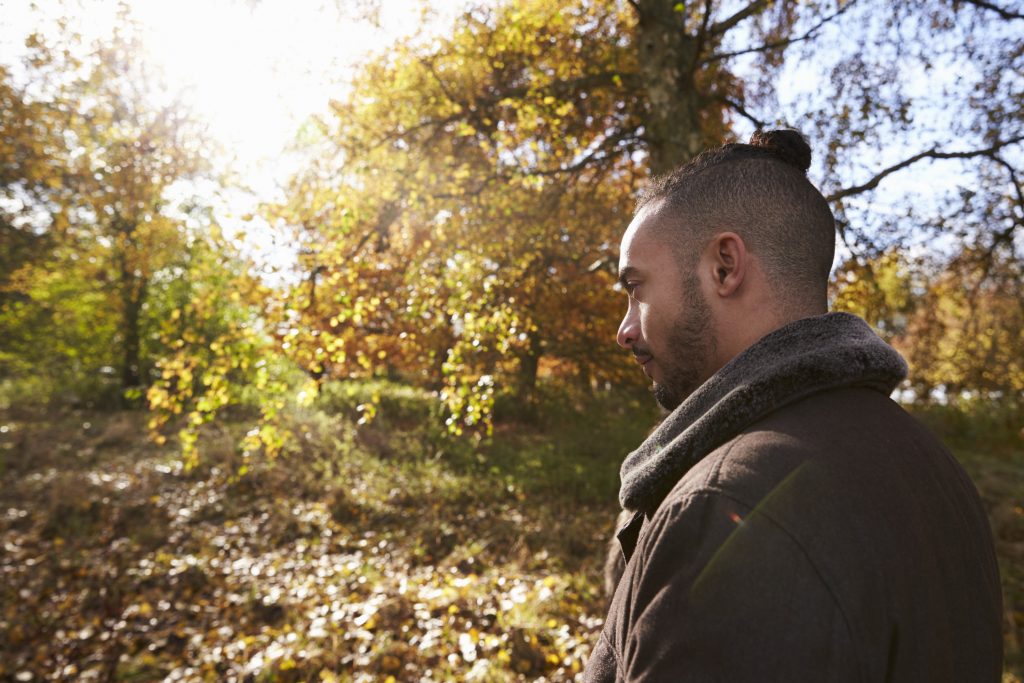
x,y
1000,479
366,551
987,438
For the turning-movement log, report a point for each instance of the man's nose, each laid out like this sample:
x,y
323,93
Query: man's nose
x,y
629,330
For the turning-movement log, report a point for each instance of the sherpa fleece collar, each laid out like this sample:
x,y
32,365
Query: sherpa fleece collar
x,y
802,358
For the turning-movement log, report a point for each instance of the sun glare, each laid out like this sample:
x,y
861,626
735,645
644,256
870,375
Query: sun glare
x,y
252,70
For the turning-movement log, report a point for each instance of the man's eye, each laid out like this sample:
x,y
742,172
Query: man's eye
x,y
630,288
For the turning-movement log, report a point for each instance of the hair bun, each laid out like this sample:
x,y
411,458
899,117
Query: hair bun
x,y
786,144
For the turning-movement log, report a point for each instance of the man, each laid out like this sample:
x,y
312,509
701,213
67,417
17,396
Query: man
x,y
789,522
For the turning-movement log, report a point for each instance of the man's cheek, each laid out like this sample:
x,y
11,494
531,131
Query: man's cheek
x,y
646,325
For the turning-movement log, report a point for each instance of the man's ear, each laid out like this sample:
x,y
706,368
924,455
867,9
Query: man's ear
x,y
727,259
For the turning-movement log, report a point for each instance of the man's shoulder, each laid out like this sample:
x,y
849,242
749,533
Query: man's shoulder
x,y
843,496
842,439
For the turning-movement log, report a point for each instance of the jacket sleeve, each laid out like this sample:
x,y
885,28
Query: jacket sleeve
x,y
719,592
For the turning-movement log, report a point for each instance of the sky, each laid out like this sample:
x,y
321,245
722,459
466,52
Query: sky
x,y
255,70
252,70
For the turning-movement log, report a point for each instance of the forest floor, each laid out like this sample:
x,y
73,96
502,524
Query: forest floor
x,y
377,552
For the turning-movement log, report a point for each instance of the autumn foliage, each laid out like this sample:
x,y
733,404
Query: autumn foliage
x,y
343,456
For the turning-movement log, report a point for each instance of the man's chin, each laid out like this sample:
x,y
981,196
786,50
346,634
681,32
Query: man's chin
x,y
666,398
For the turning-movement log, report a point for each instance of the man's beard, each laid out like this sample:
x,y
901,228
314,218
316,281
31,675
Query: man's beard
x,y
691,344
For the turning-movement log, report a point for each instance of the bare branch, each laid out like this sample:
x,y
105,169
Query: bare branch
x,y
741,110
1013,179
558,88
702,34
610,142
786,42
388,215
706,21
1004,13
1006,236
475,192
929,154
750,10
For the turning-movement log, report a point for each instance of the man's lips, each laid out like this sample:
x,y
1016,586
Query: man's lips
x,y
642,358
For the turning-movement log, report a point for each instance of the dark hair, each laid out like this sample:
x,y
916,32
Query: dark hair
x,y
760,191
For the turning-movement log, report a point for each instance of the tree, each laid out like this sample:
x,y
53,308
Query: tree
x,y
92,153
958,323
472,188
217,353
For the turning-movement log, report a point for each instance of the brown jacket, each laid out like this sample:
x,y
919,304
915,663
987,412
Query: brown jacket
x,y
832,539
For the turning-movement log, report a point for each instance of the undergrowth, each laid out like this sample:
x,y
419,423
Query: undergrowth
x,y
372,548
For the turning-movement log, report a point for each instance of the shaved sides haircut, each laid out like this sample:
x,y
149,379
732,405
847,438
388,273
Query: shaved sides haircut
x,y
761,192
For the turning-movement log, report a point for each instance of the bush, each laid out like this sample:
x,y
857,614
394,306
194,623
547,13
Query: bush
x,y
976,422
379,399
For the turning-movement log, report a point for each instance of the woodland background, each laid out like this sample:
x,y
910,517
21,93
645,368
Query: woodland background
x,y
396,457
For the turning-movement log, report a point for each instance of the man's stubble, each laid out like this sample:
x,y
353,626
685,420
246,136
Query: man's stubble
x,y
691,346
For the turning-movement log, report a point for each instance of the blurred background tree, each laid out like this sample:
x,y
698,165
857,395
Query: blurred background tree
x,y
99,246
441,256
458,217
463,209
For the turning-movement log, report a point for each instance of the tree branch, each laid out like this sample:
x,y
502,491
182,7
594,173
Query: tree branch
x,y
388,215
475,192
558,87
741,110
1013,179
750,10
702,34
611,141
929,154
1004,13
786,42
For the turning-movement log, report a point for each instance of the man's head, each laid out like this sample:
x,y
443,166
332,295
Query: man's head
x,y
720,252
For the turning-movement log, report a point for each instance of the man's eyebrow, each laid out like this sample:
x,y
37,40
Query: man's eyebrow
x,y
626,273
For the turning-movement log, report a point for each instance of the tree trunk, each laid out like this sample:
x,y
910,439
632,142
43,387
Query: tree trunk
x,y
667,58
529,364
134,293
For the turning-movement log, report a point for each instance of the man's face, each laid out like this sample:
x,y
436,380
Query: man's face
x,y
668,322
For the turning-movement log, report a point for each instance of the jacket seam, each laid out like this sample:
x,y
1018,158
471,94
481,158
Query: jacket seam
x,y
615,655
721,458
